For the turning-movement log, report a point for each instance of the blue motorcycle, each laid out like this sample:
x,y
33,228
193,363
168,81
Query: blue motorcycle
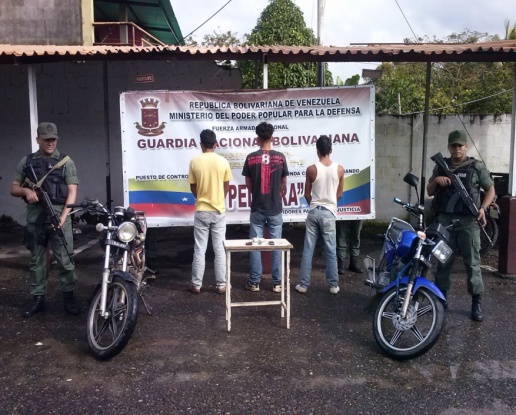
x,y
409,314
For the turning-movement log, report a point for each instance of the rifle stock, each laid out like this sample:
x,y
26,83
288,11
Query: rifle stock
x,y
461,190
44,199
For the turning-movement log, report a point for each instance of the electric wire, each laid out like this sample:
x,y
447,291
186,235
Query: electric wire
x,y
206,21
415,37
462,103
460,116
471,139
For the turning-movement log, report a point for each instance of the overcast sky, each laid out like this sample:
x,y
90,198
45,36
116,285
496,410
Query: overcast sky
x,y
358,21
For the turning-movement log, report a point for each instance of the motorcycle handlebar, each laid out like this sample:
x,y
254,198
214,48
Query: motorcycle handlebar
x,y
398,201
84,205
407,206
411,208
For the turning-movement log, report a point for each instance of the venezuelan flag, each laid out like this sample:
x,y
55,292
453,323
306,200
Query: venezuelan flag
x,y
163,198
357,191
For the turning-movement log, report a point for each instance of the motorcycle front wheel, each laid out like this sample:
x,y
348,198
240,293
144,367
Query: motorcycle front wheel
x,y
409,337
107,336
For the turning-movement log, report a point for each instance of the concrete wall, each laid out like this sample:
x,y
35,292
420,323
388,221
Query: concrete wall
x,y
72,96
40,22
399,148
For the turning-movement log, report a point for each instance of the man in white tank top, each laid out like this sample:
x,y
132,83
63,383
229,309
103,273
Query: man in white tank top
x,y
323,187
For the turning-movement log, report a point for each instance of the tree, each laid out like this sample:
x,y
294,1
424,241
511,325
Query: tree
x,y
216,39
510,32
353,80
453,84
282,23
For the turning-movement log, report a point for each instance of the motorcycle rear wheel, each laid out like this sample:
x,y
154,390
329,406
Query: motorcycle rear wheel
x,y
108,336
492,230
415,334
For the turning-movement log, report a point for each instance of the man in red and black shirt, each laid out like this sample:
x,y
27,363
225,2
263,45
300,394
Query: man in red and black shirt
x,y
265,174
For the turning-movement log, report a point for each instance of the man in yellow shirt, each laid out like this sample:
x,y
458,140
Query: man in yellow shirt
x,y
209,175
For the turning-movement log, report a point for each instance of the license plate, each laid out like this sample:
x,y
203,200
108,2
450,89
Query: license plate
x,y
117,244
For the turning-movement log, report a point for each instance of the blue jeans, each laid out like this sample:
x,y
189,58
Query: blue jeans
x,y
204,222
319,221
274,223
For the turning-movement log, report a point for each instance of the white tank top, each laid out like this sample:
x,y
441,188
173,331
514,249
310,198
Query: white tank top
x,y
324,188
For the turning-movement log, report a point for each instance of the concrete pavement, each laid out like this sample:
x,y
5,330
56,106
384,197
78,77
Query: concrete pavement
x,y
181,360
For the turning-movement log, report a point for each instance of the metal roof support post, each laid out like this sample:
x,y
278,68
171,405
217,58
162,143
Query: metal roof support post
x,y
507,243
425,131
265,72
33,106
105,79
266,256
256,73
512,182
320,65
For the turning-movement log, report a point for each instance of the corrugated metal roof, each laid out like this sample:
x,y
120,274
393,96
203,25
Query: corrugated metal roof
x,y
501,51
154,16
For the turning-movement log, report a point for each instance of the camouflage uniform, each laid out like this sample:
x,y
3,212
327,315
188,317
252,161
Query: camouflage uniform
x,y
465,238
40,232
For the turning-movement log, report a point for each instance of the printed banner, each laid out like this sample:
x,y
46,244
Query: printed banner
x,y
160,135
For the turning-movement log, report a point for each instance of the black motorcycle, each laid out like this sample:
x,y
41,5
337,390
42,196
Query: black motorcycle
x,y
113,309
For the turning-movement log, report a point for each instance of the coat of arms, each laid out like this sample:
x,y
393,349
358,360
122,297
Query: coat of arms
x,y
150,118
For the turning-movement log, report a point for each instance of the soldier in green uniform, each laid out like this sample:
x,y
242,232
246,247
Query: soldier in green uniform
x,y
348,232
466,237
61,185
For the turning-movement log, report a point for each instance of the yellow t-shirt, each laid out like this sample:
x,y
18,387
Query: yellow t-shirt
x,y
209,171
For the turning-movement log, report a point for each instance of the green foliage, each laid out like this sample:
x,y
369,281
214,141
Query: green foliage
x,y
354,80
218,39
454,85
510,32
282,23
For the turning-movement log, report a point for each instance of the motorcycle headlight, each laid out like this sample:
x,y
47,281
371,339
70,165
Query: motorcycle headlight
x,y
442,252
126,232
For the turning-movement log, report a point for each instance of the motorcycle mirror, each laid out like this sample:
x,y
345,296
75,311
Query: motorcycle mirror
x,y
411,179
130,213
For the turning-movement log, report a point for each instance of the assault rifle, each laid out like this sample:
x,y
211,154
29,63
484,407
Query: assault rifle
x,y
461,190
44,199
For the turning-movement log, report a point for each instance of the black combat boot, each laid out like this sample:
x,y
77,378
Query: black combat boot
x,y
340,266
353,265
476,308
70,305
37,305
